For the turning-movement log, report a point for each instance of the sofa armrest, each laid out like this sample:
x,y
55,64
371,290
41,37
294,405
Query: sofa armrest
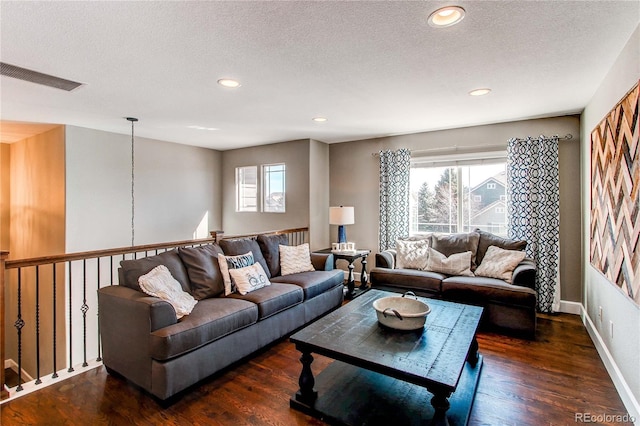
x,y
386,259
121,299
525,274
322,261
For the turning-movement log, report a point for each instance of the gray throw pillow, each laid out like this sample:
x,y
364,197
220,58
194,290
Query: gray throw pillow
x,y
133,269
269,244
203,269
243,245
488,239
449,244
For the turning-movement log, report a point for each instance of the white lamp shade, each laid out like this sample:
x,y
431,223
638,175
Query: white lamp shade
x,y
341,215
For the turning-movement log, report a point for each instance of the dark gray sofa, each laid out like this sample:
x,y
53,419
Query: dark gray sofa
x,y
507,307
144,342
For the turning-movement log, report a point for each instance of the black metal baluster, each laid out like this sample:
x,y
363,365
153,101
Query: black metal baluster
x,y
38,381
55,355
19,324
84,308
70,323
111,270
97,313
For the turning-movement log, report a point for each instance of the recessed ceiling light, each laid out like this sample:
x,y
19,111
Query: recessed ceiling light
x,y
479,92
228,82
446,16
202,128
319,119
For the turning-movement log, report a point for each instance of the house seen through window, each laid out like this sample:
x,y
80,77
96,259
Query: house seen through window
x,y
458,198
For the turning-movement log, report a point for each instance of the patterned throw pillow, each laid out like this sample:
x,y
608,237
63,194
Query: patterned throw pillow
x,y
412,254
249,278
160,283
233,262
456,264
294,259
499,263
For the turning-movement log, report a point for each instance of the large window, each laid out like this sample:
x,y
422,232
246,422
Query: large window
x,y
451,198
247,189
273,188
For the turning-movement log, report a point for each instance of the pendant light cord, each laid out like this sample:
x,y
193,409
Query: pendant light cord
x,y
133,168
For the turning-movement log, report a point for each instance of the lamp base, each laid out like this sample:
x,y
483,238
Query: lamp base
x,y
342,234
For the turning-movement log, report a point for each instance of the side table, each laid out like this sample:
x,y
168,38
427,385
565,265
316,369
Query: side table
x,y
351,257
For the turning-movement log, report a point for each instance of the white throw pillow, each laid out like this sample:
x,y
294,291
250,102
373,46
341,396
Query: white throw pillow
x,y
160,283
456,264
233,262
412,254
249,278
294,259
499,263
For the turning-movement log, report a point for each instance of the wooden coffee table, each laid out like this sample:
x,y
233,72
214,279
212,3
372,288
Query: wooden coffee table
x,y
385,376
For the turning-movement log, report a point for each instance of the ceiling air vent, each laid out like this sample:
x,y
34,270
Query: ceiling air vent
x,y
37,77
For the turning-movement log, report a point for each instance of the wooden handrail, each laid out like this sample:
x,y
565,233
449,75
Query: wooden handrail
x,y
282,231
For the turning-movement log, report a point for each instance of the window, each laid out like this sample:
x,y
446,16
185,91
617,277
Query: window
x,y
247,189
273,188
454,196
503,198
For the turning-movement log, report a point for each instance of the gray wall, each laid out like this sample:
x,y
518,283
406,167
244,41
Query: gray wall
x,y
177,190
318,195
623,345
354,180
295,155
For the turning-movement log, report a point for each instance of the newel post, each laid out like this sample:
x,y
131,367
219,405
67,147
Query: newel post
x,y
217,235
3,257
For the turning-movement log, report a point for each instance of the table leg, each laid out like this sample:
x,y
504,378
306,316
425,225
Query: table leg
x,y
472,357
306,381
364,278
441,404
351,282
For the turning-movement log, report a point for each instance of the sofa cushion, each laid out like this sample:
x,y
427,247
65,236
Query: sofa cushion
x,y
500,263
295,259
488,239
270,247
203,270
408,279
480,290
243,245
412,254
449,244
159,283
249,278
455,264
313,283
133,269
209,320
273,299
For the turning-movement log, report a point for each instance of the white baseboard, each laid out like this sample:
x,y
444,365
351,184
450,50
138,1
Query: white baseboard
x,y
567,307
630,403
9,363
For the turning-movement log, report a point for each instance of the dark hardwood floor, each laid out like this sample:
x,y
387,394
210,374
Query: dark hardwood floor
x,y
541,382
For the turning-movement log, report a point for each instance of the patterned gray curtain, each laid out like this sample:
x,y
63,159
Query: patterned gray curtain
x,y
534,210
394,196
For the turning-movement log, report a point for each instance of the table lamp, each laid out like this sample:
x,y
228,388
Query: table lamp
x,y
341,216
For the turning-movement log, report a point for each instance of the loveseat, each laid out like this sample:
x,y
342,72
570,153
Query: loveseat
x,y
508,297
144,341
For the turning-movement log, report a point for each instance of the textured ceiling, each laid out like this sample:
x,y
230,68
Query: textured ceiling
x,y
372,68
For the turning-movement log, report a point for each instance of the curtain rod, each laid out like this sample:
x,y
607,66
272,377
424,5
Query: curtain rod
x,y
455,148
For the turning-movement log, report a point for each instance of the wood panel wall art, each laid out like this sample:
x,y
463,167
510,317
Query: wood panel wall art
x,y
615,196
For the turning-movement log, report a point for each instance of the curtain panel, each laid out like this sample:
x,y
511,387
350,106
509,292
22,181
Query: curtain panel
x,y
394,196
533,195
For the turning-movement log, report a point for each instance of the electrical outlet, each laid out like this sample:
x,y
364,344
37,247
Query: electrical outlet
x,y
600,313
611,328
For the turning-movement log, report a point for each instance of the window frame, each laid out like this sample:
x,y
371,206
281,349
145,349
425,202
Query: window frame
x,y
241,186
266,183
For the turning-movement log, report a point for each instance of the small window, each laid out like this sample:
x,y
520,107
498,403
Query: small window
x,y
499,209
247,189
503,198
477,198
491,186
273,188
